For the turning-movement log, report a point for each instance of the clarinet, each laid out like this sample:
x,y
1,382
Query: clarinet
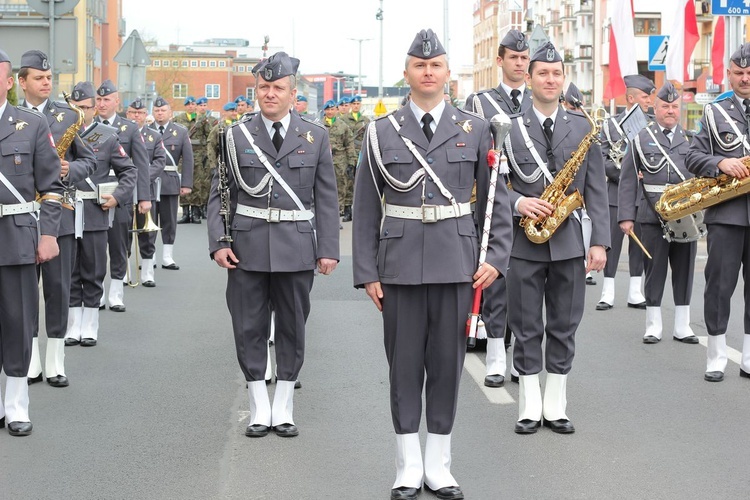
x,y
223,187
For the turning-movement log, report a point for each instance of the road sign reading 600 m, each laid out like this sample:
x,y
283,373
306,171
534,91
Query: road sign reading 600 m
x,y
730,7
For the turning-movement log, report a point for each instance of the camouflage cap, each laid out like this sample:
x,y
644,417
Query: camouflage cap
x,y
546,53
639,82
573,96
106,88
426,45
277,66
668,93
35,59
741,56
515,40
83,90
159,102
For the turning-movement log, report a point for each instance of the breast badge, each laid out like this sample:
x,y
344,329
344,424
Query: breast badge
x,y
465,125
20,125
308,137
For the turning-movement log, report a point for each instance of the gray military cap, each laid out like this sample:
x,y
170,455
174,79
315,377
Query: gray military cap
x,y
546,53
515,40
668,93
4,57
159,102
277,66
35,59
106,88
137,103
426,45
639,82
573,96
83,90
741,56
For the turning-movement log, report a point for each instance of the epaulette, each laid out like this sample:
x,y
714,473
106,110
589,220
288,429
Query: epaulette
x,y
385,115
29,111
60,104
472,113
245,117
179,125
311,121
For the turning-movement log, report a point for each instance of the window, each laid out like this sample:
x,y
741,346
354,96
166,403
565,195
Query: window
x,y
175,63
240,69
157,63
646,26
212,91
222,64
185,63
179,90
212,64
165,63
250,93
204,64
193,64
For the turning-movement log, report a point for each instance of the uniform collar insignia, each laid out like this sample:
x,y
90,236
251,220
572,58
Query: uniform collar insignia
x,y
124,127
150,138
453,117
174,133
308,137
465,125
20,124
59,116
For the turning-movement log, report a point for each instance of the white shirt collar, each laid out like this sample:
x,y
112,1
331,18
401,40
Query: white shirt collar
x,y
284,124
110,119
2,108
40,107
436,113
541,116
508,89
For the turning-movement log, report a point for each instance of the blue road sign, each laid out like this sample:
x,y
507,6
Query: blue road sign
x,y
657,52
730,7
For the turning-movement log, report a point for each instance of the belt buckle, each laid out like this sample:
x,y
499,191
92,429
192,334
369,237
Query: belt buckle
x,y
2,212
274,214
429,214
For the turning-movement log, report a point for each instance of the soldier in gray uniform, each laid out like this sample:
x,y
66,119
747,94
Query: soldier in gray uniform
x,y
35,78
173,185
511,97
658,154
157,160
639,93
107,100
719,148
418,267
29,166
90,268
284,225
550,275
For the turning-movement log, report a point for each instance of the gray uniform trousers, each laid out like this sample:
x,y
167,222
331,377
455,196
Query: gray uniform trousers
x,y
56,274
681,259
118,237
425,324
165,216
560,287
19,315
87,282
147,241
635,254
250,298
730,248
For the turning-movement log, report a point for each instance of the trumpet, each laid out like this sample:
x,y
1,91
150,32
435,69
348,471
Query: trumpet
x,y
148,227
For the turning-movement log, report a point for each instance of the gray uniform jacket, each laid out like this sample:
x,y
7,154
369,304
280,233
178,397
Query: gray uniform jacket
x,y
304,162
410,252
656,171
610,169
132,142
709,146
569,130
497,95
177,145
157,156
110,155
29,161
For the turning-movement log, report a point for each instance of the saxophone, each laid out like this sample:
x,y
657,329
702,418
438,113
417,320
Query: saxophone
x,y
69,136
542,229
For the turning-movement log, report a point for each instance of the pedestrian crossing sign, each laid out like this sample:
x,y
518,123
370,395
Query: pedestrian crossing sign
x,y
657,52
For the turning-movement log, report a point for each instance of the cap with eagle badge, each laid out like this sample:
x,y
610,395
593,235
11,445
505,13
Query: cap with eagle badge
x,y
329,104
160,102
83,90
639,82
546,53
668,93
426,45
230,106
201,100
301,98
356,98
106,88
137,104
741,56
35,59
240,98
277,66
515,40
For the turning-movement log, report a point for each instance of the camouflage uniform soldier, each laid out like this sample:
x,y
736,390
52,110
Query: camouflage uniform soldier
x,y
357,122
187,120
199,132
344,157
228,116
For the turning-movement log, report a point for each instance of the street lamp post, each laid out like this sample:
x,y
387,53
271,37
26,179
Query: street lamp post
x,y
359,74
379,17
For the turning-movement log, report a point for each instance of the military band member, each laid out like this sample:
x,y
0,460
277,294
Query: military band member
x,y
199,132
344,156
550,276
90,267
639,93
283,226
187,120
173,184
107,101
511,97
658,155
29,165
420,274
721,147
157,157
35,78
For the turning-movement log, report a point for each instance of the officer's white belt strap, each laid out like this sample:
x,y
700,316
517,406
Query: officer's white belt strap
x,y
655,188
274,214
170,168
86,195
18,208
427,213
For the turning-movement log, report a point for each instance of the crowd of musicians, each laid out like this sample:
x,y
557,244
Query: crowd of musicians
x,y
435,217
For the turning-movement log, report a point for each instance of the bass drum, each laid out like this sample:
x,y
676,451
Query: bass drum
x,y
689,228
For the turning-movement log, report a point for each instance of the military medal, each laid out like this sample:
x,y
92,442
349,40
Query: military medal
x,y
465,125
20,124
308,137
172,147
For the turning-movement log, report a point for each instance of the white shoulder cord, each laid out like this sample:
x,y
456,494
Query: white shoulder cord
x,y
653,169
528,179
252,191
741,138
394,183
477,102
532,149
666,156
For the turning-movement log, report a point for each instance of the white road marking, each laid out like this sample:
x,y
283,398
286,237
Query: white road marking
x,y
243,415
732,354
477,370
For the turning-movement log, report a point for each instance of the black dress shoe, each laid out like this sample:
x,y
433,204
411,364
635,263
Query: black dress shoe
x,y
690,339
561,426
256,430
58,381
149,284
713,376
297,384
640,305
34,380
171,267
650,339
19,428
117,308
2,422
590,281
404,493
514,378
494,381
286,430
603,306
744,374
447,492
527,426
103,306
71,341
88,342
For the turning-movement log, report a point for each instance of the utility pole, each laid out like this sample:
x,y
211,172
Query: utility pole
x,y
379,17
359,74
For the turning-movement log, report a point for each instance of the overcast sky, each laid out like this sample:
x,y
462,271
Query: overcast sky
x,y
315,31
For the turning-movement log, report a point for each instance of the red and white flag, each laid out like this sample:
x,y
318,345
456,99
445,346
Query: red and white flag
x,y
622,61
717,52
682,41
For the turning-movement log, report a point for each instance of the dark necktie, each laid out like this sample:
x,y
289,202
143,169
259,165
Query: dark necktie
x,y
277,139
106,122
426,120
161,129
514,97
668,133
547,126
35,108
746,102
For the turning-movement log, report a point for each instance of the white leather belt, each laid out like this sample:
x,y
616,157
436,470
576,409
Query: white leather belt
x,y
274,214
655,188
18,208
87,195
170,168
427,213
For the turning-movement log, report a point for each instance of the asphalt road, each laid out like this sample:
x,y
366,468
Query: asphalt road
x,y
158,408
